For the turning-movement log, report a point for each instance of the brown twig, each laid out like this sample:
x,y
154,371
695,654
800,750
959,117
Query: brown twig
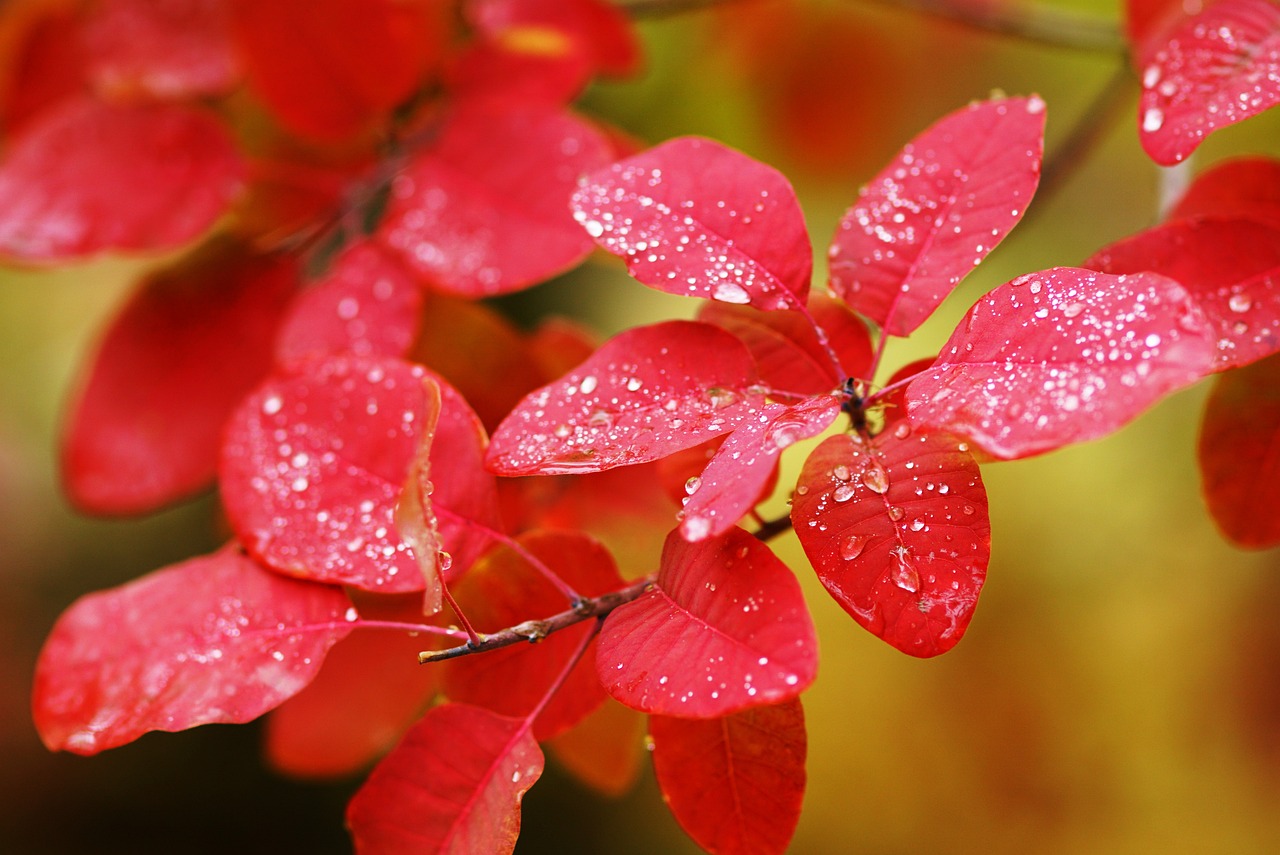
x,y
1029,22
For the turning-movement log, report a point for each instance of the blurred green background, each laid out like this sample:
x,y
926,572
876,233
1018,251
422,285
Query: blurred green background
x,y
1118,690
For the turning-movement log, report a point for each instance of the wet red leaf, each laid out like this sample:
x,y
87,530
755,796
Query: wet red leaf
x,y
212,639
937,210
736,783
1247,187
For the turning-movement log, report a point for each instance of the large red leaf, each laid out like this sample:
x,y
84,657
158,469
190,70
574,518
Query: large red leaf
x,y
1062,356
315,461
213,639
146,425
736,783
724,628
88,177
1217,68
503,589
1243,187
897,531
1239,453
693,217
936,210
484,210
644,394
731,484
452,785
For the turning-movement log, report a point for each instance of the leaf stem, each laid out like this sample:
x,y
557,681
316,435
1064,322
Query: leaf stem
x,y
1086,133
1029,22
507,540
472,636
769,529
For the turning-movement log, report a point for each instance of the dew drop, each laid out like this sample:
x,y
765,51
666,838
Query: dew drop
x,y
691,486
1152,120
272,405
695,528
895,513
1240,303
852,546
588,384
841,473
843,493
903,573
876,479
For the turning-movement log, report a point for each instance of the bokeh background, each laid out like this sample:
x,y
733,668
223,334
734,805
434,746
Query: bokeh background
x,y
1118,690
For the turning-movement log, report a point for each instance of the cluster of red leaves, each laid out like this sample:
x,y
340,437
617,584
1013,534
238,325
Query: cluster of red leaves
x,y
351,444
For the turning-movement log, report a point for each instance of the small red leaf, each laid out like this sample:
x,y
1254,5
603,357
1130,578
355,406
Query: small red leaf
x,y
1217,68
88,177
1243,187
730,486
936,211
644,394
1062,356
213,639
145,428
693,217
736,783
897,531
1239,453
483,211
452,785
724,628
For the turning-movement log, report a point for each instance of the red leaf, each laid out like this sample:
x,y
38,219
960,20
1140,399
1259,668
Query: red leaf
x,y
88,177
1243,187
897,531
725,628
367,305
453,784
693,217
730,486
169,49
145,428
1238,447
735,784
646,393
1230,266
415,512
483,211
597,29
503,589
367,694
1216,69
936,211
1062,356
603,750
315,461
213,639
41,59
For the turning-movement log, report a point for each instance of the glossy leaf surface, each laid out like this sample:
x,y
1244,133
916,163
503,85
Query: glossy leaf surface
x,y
936,210
724,628
213,639
1062,356
898,533
694,217
1242,187
452,785
153,178
644,394
736,783
1216,69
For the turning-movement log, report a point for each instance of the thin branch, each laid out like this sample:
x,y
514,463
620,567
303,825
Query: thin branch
x,y
565,671
1088,131
1031,22
665,8
769,529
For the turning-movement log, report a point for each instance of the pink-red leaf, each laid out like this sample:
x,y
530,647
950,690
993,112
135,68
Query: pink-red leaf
x,y
725,628
1062,356
644,394
933,213
1239,453
730,486
693,217
89,177
736,783
213,639
1217,68
897,531
1244,187
145,427
452,785
484,210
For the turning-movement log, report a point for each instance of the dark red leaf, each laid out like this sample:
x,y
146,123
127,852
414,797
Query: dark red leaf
x,y
484,210
41,60
145,428
693,217
898,533
89,177
452,785
520,68
597,29
725,628
735,784
1243,187
603,750
731,484
1217,68
1062,356
213,639
646,393
936,210
1239,454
